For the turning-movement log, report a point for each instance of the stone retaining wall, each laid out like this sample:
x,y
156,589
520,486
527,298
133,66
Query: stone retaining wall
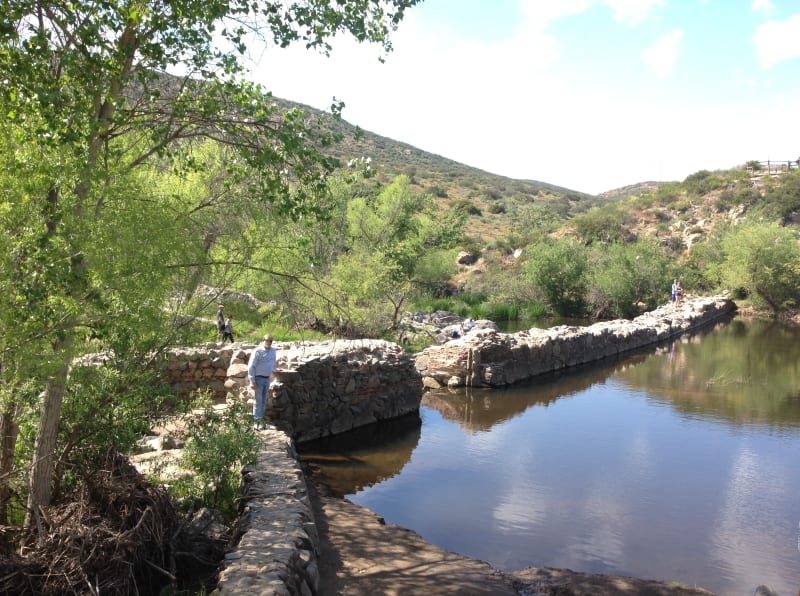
x,y
317,389
489,359
279,548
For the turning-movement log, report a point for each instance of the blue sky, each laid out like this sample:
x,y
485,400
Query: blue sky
x,y
587,94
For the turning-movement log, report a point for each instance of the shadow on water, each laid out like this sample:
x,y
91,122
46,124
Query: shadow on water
x,y
363,457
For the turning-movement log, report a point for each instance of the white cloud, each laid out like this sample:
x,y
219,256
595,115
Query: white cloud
x,y
662,56
633,12
630,12
762,6
778,40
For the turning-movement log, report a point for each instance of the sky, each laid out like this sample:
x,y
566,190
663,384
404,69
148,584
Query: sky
x,y
591,95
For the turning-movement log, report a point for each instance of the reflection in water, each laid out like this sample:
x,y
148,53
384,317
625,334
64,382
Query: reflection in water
x,y
679,463
755,492
478,409
362,457
746,372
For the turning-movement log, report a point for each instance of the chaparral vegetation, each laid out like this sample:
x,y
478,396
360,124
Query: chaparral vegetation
x,y
141,168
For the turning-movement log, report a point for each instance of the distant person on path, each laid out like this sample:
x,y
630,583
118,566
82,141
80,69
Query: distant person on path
x,y
675,286
220,321
259,370
227,331
678,293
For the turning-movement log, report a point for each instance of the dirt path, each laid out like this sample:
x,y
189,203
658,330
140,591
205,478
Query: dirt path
x,y
362,556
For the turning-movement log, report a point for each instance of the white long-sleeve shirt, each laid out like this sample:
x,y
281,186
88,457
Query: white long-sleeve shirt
x,y
261,364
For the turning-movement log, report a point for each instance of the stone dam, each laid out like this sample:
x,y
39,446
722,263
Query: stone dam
x,y
331,387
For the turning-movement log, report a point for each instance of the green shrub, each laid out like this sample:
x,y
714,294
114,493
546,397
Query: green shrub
x,y
668,193
560,269
754,165
108,408
221,442
604,224
467,207
703,182
625,275
762,258
438,191
782,199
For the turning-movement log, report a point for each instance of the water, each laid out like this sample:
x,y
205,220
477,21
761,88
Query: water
x,y
678,464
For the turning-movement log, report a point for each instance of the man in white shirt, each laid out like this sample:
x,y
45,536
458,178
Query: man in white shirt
x,y
259,370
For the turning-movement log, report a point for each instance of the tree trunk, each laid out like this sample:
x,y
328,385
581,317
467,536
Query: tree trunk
x,y
9,430
50,406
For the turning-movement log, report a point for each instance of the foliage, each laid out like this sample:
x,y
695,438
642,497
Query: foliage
x,y
605,224
106,408
625,276
754,165
782,201
763,259
467,207
116,202
434,269
559,269
221,442
702,269
531,222
381,244
668,193
740,194
704,181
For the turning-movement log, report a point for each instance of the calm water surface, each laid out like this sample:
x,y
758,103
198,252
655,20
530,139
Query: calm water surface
x,y
678,464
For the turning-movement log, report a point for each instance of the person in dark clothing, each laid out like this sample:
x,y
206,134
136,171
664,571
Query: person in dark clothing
x,y
220,322
227,331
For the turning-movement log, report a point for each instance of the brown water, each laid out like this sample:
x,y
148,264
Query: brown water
x,y
682,463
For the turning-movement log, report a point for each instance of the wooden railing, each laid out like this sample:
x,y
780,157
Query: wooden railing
x,y
770,167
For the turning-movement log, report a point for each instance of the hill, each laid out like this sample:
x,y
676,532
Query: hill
x,y
493,202
678,214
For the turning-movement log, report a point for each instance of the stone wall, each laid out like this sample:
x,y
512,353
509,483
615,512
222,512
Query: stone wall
x,y
279,547
317,389
490,359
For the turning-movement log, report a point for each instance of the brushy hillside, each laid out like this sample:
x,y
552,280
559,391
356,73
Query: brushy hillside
x,y
493,202
678,214
682,214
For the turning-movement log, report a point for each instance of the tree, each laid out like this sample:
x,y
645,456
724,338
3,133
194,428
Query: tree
x,y
86,100
762,259
606,224
627,275
559,269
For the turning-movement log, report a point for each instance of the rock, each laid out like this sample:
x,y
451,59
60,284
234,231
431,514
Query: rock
x,y
208,522
466,258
